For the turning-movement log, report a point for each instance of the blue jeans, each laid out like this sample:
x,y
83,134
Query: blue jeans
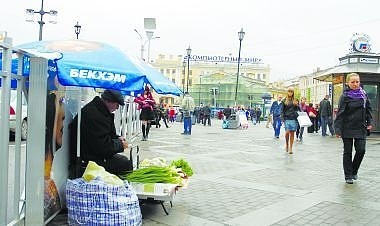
x,y
324,121
276,125
187,125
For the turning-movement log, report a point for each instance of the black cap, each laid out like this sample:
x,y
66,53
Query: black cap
x,y
113,96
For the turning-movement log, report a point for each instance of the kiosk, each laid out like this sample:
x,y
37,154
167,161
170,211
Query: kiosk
x,y
363,62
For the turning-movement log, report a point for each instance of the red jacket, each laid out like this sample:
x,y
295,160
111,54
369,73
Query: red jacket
x,y
145,102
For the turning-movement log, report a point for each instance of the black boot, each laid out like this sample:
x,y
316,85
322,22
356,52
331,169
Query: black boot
x,y
143,132
147,131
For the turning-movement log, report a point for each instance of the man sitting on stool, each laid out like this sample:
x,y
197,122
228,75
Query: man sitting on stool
x,y
98,139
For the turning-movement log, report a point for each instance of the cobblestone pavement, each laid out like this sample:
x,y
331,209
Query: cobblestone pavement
x,y
245,177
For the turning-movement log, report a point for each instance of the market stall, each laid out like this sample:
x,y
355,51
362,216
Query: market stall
x,y
56,69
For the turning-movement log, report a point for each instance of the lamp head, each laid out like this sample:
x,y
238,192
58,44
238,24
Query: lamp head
x,y
29,15
53,16
188,51
77,28
149,34
241,34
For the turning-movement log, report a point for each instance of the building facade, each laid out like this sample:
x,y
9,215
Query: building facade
x,y
215,75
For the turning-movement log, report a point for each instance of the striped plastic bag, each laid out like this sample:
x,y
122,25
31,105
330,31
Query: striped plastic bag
x,y
98,203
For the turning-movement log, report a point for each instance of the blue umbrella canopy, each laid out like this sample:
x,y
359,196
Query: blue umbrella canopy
x,y
89,64
93,64
160,83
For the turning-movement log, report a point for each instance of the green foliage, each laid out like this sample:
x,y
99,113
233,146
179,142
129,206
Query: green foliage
x,y
184,165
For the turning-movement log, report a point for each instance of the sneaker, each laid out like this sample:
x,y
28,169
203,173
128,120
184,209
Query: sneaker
x,y
355,177
349,181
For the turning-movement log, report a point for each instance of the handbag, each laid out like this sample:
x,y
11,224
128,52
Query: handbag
x,y
99,203
303,119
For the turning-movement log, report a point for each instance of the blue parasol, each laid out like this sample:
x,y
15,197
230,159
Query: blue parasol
x,y
93,64
160,83
88,64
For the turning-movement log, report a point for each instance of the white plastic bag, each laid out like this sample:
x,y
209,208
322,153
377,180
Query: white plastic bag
x,y
303,119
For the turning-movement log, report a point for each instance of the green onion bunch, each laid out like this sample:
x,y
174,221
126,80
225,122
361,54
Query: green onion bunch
x,y
153,174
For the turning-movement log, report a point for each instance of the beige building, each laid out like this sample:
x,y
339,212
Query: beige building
x,y
188,78
314,90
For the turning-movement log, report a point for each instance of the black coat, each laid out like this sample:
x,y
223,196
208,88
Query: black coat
x,y
289,112
353,117
98,135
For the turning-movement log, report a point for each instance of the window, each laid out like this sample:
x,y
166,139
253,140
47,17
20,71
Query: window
x,y
190,82
173,71
162,71
168,71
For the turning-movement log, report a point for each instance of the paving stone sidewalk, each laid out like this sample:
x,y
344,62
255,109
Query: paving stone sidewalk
x,y
245,177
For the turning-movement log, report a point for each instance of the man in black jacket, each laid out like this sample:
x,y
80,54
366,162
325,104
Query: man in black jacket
x,y
325,113
98,139
227,112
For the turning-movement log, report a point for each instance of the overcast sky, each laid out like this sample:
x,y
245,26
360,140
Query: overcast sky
x,y
293,36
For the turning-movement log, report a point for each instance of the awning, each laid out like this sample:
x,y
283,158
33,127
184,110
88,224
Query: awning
x,y
327,75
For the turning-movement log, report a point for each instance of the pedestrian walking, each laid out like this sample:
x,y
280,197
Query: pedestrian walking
x,y
269,120
206,115
145,104
227,112
303,107
258,115
187,109
352,123
289,117
163,114
172,113
275,111
325,113
313,118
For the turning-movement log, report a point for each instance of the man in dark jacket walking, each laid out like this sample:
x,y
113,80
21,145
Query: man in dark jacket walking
x,y
325,113
98,139
275,111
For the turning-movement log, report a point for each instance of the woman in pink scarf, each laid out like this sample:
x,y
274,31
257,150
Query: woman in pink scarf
x,y
145,104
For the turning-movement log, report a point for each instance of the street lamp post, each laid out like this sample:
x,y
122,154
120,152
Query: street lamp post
x,y
149,35
200,88
188,51
30,17
184,63
77,28
241,34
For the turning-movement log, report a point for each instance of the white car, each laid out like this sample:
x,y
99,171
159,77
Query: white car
x,y
12,114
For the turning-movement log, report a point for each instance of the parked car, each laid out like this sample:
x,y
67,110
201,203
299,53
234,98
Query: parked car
x,y
12,114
